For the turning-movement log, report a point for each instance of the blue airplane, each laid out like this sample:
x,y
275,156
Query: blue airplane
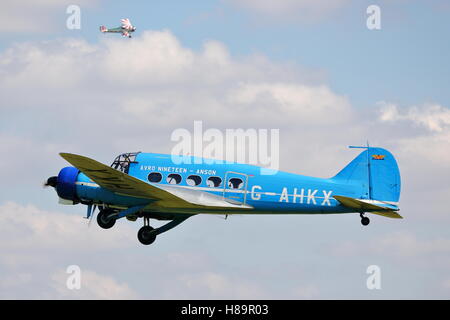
x,y
174,188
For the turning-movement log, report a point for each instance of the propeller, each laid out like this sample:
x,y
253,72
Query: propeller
x,y
51,182
90,213
93,213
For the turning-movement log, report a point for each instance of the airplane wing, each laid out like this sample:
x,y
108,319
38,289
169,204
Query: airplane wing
x,y
126,24
380,208
160,196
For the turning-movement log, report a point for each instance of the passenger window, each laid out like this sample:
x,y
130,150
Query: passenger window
x,y
173,178
193,180
154,177
214,182
235,183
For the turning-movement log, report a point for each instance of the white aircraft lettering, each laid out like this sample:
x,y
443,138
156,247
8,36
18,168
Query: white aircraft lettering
x,y
311,196
254,195
301,195
326,197
284,196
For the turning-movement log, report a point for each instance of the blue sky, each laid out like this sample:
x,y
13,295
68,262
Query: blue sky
x,y
325,81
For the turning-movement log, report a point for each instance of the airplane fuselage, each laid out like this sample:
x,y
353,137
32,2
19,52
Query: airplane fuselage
x,y
280,192
165,187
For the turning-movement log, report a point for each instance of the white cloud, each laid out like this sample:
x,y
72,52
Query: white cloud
x,y
446,283
92,286
14,280
213,285
399,244
298,103
38,242
433,117
32,227
423,132
306,292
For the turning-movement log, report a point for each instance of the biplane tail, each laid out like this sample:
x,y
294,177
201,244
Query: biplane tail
x,y
103,29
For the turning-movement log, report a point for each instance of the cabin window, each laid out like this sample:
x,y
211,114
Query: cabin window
x,y
214,182
173,178
154,177
235,183
194,180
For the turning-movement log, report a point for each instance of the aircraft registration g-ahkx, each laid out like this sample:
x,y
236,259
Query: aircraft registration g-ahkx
x,y
152,186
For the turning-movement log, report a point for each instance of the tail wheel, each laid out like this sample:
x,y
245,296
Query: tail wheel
x,y
146,236
105,220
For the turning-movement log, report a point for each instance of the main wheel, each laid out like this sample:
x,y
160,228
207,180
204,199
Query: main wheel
x,y
365,221
105,220
146,236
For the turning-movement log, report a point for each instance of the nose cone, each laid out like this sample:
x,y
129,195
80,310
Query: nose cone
x,y
65,186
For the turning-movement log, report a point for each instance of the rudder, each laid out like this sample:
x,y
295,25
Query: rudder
x,y
377,171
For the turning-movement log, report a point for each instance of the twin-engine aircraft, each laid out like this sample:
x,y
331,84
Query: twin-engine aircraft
x,y
125,29
154,186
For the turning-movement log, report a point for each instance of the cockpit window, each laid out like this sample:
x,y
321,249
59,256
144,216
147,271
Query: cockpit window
x,y
214,182
194,180
154,177
173,178
122,162
235,183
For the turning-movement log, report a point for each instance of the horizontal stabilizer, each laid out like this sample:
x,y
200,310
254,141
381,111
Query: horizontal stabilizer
x,y
388,214
371,206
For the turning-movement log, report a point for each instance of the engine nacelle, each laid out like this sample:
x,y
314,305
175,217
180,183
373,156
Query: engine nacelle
x,y
66,187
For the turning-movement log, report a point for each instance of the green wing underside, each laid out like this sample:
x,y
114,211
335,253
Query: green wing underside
x,y
162,198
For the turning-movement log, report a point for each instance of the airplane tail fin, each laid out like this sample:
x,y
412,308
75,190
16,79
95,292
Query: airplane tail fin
x,y
103,29
375,172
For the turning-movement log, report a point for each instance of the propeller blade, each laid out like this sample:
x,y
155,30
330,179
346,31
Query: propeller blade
x,y
92,214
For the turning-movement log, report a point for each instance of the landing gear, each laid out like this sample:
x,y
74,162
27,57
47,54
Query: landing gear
x,y
105,219
146,234
364,220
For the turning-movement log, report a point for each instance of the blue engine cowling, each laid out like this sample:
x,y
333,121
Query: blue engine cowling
x,y
66,187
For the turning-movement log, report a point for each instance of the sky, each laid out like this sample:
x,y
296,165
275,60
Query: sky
x,y
311,69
